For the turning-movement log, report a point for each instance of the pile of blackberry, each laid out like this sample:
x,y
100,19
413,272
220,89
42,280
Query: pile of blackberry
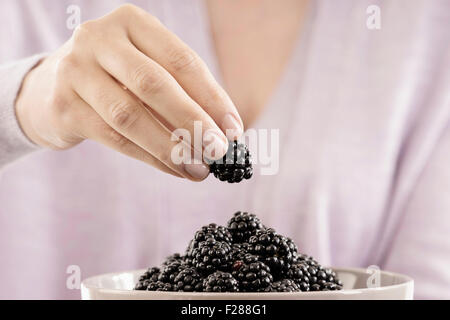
x,y
235,166
243,256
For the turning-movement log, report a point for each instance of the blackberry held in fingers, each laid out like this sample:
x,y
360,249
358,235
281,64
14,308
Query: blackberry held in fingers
x,y
235,166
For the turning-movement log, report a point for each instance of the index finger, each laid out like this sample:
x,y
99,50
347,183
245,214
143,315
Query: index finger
x,y
157,42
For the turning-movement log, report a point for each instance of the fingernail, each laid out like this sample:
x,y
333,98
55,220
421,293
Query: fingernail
x,y
216,144
232,127
197,171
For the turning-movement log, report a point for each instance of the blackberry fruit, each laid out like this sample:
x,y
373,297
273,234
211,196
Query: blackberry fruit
x,y
220,282
277,251
243,225
170,271
173,258
331,286
245,256
150,276
239,251
326,278
285,285
315,287
299,273
212,230
308,260
235,166
211,256
160,286
188,280
310,275
253,277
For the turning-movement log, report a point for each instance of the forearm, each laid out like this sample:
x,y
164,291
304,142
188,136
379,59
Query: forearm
x,y
13,143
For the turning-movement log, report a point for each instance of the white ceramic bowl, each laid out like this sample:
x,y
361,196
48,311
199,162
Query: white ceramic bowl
x,y
119,286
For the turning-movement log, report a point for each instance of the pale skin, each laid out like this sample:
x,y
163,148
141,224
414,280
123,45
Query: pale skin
x,y
127,82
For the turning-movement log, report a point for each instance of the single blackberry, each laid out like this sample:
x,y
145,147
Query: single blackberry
x,y
253,277
235,166
243,225
306,259
149,276
275,250
215,231
299,273
326,278
173,258
220,282
219,233
310,275
188,280
211,256
170,271
285,285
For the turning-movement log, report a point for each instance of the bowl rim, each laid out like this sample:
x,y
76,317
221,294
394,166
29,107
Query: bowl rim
x,y
407,281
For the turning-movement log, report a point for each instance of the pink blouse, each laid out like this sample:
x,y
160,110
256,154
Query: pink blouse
x,y
364,176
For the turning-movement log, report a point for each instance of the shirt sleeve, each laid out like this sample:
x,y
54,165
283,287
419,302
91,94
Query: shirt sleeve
x,y
13,142
421,247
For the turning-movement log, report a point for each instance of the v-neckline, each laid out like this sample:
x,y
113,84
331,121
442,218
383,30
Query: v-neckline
x,y
288,75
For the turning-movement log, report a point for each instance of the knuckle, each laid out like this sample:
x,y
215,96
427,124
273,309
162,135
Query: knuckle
x,y
127,12
69,119
62,112
128,9
118,140
57,102
84,31
67,65
124,114
181,60
153,20
148,80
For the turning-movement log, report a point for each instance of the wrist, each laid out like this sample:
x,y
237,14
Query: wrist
x,y
24,103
